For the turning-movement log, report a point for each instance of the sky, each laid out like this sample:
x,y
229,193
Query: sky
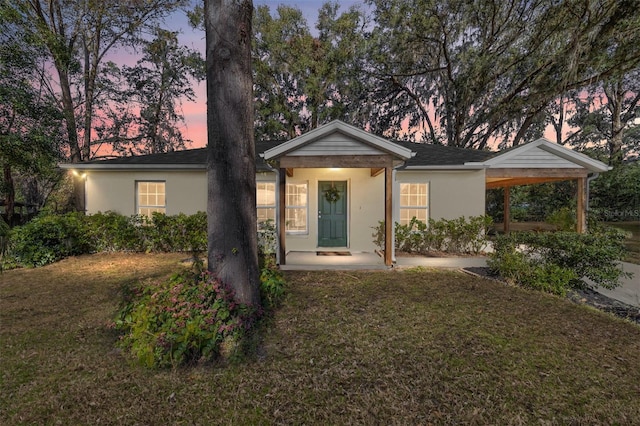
x,y
195,112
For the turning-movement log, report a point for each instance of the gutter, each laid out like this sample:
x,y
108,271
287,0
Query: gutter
x,y
592,176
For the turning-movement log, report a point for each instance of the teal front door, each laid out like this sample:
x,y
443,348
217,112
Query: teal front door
x,y
332,214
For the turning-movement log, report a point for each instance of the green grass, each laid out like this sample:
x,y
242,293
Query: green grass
x,y
412,347
633,241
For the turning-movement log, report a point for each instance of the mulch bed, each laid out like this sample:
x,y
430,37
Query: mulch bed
x,y
585,296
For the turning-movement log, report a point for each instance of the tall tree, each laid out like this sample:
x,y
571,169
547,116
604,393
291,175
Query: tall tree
x,y
302,80
231,205
471,72
30,121
78,36
145,106
606,117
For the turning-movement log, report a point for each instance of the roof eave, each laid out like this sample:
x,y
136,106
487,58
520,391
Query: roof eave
x,y
123,167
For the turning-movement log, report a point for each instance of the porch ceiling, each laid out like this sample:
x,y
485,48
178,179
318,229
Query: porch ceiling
x,y
503,177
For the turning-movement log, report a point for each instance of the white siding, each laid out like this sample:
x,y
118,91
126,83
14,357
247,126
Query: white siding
x,y
536,158
336,144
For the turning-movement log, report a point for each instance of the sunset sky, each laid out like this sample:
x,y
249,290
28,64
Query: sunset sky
x,y
195,113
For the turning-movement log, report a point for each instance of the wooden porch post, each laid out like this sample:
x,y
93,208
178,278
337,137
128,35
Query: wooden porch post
x,y
581,208
507,209
282,228
388,216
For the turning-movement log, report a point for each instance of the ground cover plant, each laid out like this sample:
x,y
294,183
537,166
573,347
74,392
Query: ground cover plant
x,y
410,347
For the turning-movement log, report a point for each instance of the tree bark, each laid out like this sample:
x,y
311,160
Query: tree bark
x,y
231,205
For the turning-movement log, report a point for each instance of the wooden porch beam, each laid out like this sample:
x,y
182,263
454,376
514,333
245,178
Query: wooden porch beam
x,y
507,210
581,208
388,216
375,171
282,185
536,173
521,181
342,161
289,172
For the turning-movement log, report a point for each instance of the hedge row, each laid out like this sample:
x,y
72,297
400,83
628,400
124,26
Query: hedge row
x,y
456,236
49,238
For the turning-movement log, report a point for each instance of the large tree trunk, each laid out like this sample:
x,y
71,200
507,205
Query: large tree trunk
x,y
231,205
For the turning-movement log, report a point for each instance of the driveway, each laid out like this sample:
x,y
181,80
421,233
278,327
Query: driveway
x,y
629,291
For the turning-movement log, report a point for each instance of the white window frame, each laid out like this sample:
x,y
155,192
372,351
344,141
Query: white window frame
x,y
424,207
267,206
160,208
304,207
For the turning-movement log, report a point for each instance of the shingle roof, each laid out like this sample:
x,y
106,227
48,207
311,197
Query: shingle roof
x,y
426,155
440,155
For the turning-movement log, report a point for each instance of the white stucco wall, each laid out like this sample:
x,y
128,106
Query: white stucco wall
x,y
451,193
186,191
365,206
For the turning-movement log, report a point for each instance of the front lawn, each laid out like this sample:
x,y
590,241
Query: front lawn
x,y
412,347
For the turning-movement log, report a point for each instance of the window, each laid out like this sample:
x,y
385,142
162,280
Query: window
x,y
413,202
266,201
296,207
151,198
296,202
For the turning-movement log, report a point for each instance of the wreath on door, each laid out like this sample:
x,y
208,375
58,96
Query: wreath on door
x,y
332,194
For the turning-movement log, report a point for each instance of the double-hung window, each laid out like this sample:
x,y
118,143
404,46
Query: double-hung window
x,y
296,205
266,201
414,202
151,197
297,201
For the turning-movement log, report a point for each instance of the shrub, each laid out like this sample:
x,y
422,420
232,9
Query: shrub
x,y
267,238
564,219
594,256
272,284
112,231
183,320
457,236
49,238
517,267
177,233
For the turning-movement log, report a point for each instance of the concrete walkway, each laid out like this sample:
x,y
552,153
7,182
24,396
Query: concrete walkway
x,y
309,261
628,292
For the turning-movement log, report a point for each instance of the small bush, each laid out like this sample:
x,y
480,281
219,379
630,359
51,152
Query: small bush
x,y
182,321
457,236
549,256
49,238
177,233
272,284
564,219
112,231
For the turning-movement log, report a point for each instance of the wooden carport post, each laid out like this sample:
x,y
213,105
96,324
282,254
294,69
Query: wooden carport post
x,y
388,216
507,209
581,208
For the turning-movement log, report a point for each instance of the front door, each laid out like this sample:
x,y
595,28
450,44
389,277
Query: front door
x,y
332,214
